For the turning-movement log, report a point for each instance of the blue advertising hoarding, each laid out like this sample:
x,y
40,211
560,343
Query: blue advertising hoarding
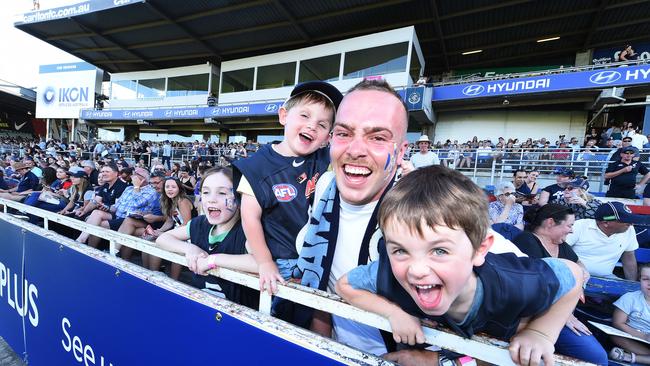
x,y
11,286
413,96
603,78
225,111
84,311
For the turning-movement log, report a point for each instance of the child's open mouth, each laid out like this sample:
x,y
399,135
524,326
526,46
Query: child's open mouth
x,y
214,213
306,138
429,296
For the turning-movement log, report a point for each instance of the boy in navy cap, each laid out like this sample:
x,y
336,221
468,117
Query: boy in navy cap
x,y
277,182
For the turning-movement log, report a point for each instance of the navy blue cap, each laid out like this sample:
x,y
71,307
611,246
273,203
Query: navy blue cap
x,y
617,211
326,89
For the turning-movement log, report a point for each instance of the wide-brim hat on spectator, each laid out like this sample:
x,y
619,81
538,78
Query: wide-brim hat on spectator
x,y
565,172
424,138
617,211
576,183
326,89
17,166
79,174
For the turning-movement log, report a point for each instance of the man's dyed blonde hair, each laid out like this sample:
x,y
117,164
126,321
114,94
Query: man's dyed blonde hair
x,y
437,196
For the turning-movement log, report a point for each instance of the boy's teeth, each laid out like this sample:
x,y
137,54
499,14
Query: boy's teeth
x,y
422,287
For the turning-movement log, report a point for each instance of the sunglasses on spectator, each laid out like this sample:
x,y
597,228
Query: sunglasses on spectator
x,y
569,188
507,194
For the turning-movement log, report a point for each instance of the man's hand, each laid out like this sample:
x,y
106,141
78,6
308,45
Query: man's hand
x,y
413,357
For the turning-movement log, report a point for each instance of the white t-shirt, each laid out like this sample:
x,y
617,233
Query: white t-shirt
x,y
598,251
637,309
638,140
352,226
420,160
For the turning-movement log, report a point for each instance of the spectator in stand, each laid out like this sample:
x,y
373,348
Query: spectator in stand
x,y
91,172
627,54
167,154
554,192
601,242
212,100
505,209
615,154
622,175
545,235
575,196
28,183
188,181
519,181
531,181
98,150
177,211
110,190
632,315
464,157
575,147
76,197
424,157
484,153
561,154
135,200
136,223
638,139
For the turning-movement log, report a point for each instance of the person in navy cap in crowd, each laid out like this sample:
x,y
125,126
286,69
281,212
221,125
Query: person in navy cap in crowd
x,y
601,242
554,192
577,197
622,175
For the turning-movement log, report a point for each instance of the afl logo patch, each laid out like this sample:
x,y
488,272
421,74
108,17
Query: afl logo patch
x,y
284,192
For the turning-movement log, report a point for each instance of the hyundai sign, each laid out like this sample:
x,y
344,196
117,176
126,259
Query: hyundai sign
x,y
604,78
65,89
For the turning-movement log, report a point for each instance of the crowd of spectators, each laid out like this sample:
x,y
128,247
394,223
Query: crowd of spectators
x,y
152,192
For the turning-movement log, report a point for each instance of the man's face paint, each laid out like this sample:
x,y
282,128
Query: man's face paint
x,y
390,161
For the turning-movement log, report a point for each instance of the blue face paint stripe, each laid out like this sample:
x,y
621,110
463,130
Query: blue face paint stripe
x,y
387,162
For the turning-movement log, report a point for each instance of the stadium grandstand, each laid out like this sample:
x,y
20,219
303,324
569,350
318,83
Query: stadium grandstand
x,y
540,103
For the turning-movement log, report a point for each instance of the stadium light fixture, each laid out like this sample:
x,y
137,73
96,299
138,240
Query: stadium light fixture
x,y
548,39
471,52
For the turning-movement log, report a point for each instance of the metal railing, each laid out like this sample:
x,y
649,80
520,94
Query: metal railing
x,y
480,347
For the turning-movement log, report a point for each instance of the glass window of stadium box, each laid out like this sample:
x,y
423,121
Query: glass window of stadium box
x,y
376,61
276,76
180,86
237,80
123,89
151,88
415,67
322,68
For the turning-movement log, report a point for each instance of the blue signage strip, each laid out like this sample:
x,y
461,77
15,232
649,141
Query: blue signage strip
x,y
69,11
604,78
80,310
227,111
69,67
414,97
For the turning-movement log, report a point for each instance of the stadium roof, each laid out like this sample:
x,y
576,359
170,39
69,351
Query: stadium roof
x,y
137,35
